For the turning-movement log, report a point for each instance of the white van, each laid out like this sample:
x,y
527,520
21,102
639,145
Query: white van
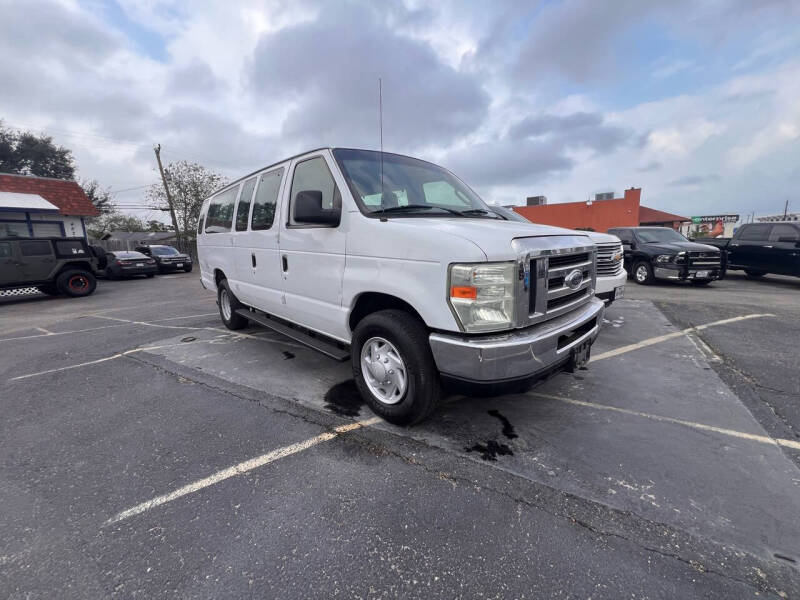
x,y
396,263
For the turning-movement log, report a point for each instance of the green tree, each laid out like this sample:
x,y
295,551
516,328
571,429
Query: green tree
x,y
100,197
29,154
190,184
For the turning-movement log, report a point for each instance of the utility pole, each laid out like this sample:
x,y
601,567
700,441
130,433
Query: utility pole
x,y
157,150
785,209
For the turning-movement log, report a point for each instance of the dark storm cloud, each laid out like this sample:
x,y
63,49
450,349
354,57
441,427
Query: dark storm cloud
x,y
328,70
579,129
507,162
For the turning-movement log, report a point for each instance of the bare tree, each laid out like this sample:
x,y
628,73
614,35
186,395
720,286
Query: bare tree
x,y
190,184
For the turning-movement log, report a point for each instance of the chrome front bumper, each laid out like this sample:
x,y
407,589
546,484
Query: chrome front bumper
x,y
517,354
663,273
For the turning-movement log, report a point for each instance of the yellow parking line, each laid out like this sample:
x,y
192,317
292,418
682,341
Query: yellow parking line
x,y
675,334
240,468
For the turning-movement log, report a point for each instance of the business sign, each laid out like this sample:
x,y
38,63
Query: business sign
x,y
716,219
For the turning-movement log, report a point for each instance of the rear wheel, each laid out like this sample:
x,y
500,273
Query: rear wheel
x,y
754,274
76,283
643,273
227,307
393,367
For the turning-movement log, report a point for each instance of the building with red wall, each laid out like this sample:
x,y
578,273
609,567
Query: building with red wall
x,y
601,215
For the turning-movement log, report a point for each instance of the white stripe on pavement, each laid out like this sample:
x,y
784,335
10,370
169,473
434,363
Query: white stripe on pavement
x,y
763,439
240,468
673,335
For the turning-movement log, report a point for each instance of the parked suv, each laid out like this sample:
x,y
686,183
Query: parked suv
x,y
761,248
53,265
611,276
399,265
167,258
662,253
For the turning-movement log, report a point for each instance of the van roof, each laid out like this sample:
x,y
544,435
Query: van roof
x,y
232,183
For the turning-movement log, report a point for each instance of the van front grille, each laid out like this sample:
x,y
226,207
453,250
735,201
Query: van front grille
x,y
561,288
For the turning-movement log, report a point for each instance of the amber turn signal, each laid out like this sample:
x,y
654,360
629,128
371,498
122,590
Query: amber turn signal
x,y
463,291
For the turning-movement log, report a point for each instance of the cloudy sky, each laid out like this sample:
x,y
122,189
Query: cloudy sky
x,y
697,102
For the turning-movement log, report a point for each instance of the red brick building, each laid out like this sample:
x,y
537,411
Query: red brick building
x,y
601,215
42,207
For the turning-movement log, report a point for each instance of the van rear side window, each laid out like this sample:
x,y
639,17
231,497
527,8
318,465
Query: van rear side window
x,y
266,199
220,211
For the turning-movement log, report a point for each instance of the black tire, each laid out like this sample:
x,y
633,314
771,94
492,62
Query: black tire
x,y
643,273
754,274
50,289
149,275
701,281
409,336
225,297
76,283
187,269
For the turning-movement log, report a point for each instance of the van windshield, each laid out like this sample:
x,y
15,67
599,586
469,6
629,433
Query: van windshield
x,y
408,187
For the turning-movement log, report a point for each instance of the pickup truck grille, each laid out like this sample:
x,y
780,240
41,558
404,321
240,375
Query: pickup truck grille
x,y
606,266
560,296
705,260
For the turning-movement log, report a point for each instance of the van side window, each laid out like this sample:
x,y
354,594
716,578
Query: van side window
x,y
313,174
780,230
265,200
755,233
40,248
243,209
5,250
200,222
220,211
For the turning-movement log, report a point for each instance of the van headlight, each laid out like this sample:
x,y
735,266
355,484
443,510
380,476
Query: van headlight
x,y
482,295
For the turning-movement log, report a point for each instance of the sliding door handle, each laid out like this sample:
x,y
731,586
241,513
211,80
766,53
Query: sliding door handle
x,y
285,263
253,259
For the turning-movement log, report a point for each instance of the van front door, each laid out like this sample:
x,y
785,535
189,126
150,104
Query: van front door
x,y
313,255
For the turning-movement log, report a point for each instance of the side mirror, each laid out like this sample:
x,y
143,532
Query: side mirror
x,y
308,209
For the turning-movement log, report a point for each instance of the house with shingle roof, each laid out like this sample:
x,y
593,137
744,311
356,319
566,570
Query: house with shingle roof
x,y
42,207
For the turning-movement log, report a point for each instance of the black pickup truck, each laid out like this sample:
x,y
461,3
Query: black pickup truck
x,y
761,248
651,253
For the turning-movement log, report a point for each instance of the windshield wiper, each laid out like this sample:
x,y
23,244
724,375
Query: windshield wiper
x,y
413,207
479,211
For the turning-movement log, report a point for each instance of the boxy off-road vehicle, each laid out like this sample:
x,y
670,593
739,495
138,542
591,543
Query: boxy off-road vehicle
x,y
52,265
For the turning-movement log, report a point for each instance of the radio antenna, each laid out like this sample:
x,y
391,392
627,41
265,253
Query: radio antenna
x,y
380,127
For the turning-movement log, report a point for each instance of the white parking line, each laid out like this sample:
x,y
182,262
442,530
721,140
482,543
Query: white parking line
x,y
28,337
240,468
673,335
763,439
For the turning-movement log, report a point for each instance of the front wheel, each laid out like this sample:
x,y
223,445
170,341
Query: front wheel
x,y
643,273
394,368
227,307
76,283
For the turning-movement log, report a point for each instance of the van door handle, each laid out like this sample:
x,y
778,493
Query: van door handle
x,y
253,259
285,262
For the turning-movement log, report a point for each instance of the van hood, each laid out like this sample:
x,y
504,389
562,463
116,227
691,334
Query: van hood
x,y
494,237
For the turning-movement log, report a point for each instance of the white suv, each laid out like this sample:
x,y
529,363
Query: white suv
x,y
397,264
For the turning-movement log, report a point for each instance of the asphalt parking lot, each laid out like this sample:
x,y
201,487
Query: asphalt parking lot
x,y
147,451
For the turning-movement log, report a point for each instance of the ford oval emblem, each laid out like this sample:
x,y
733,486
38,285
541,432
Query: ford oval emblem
x,y
574,279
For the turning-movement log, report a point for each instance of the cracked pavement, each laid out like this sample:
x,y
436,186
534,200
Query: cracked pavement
x,y
581,500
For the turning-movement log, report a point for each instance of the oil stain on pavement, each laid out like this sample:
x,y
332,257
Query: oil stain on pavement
x,y
508,428
344,399
491,450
